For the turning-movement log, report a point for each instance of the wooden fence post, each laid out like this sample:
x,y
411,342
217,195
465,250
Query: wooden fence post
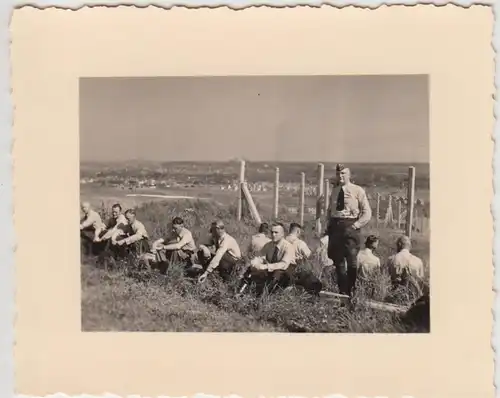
x,y
326,195
240,190
377,212
302,197
399,213
410,200
276,193
321,176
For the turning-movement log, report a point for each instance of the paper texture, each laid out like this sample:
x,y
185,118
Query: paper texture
x,y
52,48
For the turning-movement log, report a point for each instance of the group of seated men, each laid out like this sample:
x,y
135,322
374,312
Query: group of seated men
x,y
274,257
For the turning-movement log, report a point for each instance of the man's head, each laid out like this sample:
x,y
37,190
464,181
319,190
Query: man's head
x,y
85,207
116,210
177,224
277,232
343,174
264,228
371,242
130,215
295,229
403,242
217,229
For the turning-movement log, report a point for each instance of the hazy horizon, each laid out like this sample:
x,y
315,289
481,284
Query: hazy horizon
x,y
349,119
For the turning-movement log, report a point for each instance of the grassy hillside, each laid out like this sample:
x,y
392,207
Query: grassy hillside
x,y
128,300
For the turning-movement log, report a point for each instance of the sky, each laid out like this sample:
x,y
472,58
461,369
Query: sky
x,y
257,118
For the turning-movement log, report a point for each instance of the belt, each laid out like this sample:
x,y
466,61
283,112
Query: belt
x,y
345,218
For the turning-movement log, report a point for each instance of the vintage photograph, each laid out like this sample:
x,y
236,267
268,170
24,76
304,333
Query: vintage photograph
x,y
255,204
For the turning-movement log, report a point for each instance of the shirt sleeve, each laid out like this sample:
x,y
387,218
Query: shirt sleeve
x,y
288,258
365,210
304,249
88,221
139,233
218,256
185,239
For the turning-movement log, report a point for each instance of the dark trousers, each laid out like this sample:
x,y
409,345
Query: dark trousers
x,y
284,278
343,247
134,249
88,246
226,265
166,257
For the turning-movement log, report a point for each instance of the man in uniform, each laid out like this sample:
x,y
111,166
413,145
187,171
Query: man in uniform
x,y
274,265
135,239
91,227
348,212
180,249
259,240
221,254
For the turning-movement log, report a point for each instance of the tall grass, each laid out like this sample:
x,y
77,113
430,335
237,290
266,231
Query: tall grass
x,y
128,299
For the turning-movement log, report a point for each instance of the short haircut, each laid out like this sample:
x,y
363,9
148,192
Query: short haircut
x,y
130,211
370,240
177,221
294,227
278,224
219,224
117,206
264,228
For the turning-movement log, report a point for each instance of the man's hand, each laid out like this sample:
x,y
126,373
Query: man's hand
x,y
261,266
97,239
202,277
120,242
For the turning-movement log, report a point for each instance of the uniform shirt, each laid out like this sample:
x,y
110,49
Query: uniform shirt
x,y
113,224
225,244
136,232
356,204
405,264
258,242
183,241
93,220
285,256
367,261
302,251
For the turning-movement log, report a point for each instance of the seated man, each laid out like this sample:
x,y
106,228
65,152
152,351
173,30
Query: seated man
x,y
222,253
368,263
302,275
91,226
116,222
274,265
259,240
302,251
180,249
133,239
405,268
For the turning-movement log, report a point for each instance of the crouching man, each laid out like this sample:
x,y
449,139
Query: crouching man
x,y
274,266
180,249
133,239
222,253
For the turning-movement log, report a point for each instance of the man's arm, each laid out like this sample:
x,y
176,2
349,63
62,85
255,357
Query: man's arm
x,y
218,256
365,210
139,233
87,222
304,249
179,245
288,258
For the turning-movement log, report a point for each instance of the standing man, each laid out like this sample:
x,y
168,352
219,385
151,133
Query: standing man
x,y
223,253
91,227
348,212
180,249
259,240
